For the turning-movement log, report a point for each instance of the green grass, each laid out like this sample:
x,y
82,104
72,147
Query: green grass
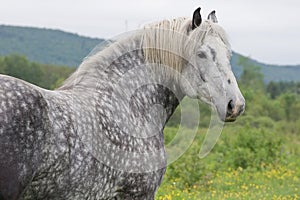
x,y
273,170
275,182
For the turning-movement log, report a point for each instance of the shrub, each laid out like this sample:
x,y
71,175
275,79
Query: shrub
x,y
251,148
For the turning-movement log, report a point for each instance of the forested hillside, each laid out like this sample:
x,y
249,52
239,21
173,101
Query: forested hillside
x,y
45,46
61,48
275,73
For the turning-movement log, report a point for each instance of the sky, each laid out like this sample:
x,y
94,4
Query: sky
x,y
265,30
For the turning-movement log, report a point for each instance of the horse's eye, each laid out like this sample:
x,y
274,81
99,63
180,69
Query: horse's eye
x,y
202,55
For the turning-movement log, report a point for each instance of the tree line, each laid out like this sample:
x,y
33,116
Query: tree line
x,y
43,75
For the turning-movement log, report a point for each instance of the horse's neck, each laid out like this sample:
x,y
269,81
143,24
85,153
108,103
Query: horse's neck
x,y
136,95
119,78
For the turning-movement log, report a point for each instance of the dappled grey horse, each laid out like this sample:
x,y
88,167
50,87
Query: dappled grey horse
x,y
100,135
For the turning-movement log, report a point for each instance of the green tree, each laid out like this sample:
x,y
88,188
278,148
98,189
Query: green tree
x,y
289,101
273,89
251,76
16,66
2,65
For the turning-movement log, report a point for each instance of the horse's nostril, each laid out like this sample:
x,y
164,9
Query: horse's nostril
x,y
230,107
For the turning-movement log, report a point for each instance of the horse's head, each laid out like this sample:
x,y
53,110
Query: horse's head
x,y
208,75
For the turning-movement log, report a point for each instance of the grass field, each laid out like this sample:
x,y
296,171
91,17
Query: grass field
x,y
246,163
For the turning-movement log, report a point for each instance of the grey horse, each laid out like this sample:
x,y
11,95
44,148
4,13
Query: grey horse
x,y
100,135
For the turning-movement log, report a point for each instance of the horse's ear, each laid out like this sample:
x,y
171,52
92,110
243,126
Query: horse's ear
x,y
212,17
197,19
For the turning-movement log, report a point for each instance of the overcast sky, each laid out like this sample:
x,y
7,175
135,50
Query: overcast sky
x,y
266,30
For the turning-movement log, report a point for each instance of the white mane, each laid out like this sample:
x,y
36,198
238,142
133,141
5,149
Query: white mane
x,y
169,43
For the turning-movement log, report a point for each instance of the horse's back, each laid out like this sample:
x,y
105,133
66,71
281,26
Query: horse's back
x,y
23,122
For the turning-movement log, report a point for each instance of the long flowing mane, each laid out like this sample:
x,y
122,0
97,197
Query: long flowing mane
x,y
165,43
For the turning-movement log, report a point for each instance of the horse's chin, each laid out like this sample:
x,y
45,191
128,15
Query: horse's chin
x,y
229,119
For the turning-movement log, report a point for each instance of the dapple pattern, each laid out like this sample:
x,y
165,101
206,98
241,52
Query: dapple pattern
x,y
44,130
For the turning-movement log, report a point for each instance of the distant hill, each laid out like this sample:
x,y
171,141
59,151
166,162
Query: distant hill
x,y
61,48
275,73
45,45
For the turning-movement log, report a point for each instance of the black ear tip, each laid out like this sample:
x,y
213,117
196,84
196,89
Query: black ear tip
x,y
198,10
212,17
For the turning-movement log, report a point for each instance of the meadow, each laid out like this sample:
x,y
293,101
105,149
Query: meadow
x,y
246,163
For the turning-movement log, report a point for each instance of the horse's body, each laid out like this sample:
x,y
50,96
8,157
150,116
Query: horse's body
x,y
69,143
48,160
